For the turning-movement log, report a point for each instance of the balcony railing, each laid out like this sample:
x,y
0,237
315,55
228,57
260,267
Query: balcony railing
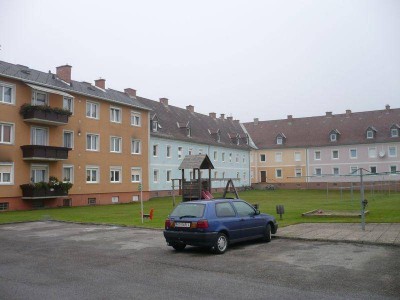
x,y
41,193
44,115
48,153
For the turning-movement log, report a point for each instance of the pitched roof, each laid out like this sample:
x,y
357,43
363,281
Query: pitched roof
x,y
50,80
201,161
203,127
314,131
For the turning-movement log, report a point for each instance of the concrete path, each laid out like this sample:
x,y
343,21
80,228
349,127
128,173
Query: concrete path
x,y
377,234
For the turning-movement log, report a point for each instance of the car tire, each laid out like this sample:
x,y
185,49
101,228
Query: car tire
x,y
179,246
267,234
221,243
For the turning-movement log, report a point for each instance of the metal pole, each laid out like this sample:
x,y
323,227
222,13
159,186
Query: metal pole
x,y
362,201
141,200
173,192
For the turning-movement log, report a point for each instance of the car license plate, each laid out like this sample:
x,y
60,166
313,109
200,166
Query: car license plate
x,y
182,224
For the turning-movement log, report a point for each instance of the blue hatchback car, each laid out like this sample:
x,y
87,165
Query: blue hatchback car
x,y
215,224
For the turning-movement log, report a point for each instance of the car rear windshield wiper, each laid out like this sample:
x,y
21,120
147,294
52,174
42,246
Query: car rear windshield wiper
x,y
187,216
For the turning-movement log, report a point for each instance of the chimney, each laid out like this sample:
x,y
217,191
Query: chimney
x,y
222,116
130,92
229,118
348,112
100,83
164,101
290,117
190,108
255,121
387,107
213,115
64,73
329,114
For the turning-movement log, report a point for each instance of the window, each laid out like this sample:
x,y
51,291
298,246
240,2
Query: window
x,y
6,173
243,209
68,139
68,104
68,173
39,98
6,133
39,173
297,172
393,169
92,174
230,157
136,174
333,137
135,119
39,136
92,142
263,158
392,151
114,199
244,159
169,172
318,172
7,93
353,153
115,144
136,147
223,174
279,140
4,205
370,134
189,132
91,201
223,156
200,151
237,175
372,152
154,125
317,155
92,110
168,151
215,174
180,152
278,173
278,156
155,175
297,156
224,209
354,170
190,151
335,154
372,169
155,150
237,158
115,115
394,132
215,155
115,174
335,171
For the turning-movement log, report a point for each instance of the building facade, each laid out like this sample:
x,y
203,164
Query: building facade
x,y
93,148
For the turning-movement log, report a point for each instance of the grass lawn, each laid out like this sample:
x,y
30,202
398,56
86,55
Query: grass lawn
x,y
383,208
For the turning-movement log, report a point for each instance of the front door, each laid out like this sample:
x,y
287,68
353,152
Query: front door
x,y
263,176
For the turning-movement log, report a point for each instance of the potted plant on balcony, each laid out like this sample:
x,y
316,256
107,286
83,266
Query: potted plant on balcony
x,y
44,112
53,188
34,190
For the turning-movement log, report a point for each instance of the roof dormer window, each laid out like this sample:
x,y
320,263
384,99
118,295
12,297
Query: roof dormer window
x,y
394,131
154,125
334,135
280,139
188,132
371,131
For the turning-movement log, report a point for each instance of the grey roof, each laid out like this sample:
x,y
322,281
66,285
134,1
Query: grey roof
x,y
201,161
203,128
50,80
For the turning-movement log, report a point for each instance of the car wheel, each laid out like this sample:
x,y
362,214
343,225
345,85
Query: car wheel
x,y
267,234
221,244
178,246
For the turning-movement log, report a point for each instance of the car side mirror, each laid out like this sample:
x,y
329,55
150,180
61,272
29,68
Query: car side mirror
x,y
257,212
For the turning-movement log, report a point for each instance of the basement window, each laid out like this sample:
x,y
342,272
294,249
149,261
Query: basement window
x,y
4,206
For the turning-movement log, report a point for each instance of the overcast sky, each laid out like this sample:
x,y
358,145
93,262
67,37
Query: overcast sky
x,y
247,59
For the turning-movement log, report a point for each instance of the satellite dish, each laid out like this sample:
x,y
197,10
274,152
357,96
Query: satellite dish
x,y
382,154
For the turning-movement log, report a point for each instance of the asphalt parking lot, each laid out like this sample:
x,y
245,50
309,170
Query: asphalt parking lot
x,y
54,260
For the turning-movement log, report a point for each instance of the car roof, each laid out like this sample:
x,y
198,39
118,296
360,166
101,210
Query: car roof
x,y
211,201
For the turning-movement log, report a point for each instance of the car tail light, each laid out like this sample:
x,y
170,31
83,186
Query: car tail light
x,y
202,224
167,223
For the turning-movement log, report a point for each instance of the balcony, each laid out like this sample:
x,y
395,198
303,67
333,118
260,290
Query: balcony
x,y
40,114
32,192
44,153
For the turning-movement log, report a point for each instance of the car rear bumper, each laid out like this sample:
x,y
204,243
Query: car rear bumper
x,y
204,239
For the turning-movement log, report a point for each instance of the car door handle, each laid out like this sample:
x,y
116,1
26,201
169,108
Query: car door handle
x,y
241,219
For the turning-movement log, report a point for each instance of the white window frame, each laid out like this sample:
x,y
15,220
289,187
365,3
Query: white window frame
x,y
230,157
168,150
138,172
296,173
97,144
89,110
237,158
394,132
332,155
279,140
34,97
278,157
66,107
112,144
353,157
6,165
156,175
333,171
200,151
39,167
390,169
97,170
333,137
134,142
190,151
373,166
297,156
115,170
180,152
114,199
276,173
154,125
168,174
370,134
215,155
265,157
155,150
12,133
72,138
115,114
136,119
374,155
12,87
319,174
315,154
223,157
71,167
33,135
353,169
395,151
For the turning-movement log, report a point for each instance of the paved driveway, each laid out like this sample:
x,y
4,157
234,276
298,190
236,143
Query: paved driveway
x,y
51,260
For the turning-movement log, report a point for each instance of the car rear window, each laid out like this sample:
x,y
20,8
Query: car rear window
x,y
189,210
